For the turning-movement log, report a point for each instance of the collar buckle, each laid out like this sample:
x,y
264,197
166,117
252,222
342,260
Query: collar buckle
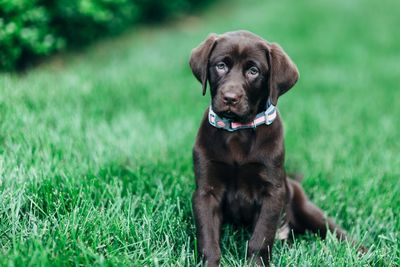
x,y
270,114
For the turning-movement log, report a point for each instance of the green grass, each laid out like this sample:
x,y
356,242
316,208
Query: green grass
x,y
95,152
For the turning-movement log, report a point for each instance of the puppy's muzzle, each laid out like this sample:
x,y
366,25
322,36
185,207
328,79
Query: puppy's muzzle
x,y
231,98
231,94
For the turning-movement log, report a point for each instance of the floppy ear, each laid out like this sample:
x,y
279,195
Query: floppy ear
x,y
283,73
199,59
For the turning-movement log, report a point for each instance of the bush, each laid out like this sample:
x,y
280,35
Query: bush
x,y
24,32
34,28
81,21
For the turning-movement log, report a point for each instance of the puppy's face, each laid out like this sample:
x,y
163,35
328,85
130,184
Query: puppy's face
x,y
243,71
238,74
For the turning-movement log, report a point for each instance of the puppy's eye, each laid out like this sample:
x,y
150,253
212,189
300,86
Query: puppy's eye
x,y
253,72
221,67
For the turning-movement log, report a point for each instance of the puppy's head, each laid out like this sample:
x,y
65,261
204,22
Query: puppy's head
x,y
243,71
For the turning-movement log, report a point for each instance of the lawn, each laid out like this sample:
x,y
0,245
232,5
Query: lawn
x,y
95,152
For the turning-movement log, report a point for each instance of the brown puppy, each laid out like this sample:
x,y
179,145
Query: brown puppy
x,y
239,168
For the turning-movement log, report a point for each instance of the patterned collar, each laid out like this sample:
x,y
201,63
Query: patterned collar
x,y
265,117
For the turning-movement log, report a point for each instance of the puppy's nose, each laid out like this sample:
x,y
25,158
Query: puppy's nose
x,y
231,98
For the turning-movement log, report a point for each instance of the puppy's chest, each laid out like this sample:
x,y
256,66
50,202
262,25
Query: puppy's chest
x,y
246,187
245,176
239,146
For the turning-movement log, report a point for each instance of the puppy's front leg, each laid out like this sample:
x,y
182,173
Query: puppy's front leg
x,y
208,218
262,239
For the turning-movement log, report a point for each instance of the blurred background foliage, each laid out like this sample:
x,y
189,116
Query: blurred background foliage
x,y
30,29
95,145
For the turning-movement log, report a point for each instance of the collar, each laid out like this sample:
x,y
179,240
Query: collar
x,y
265,117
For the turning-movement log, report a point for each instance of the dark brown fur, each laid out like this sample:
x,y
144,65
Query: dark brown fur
x,y
240,176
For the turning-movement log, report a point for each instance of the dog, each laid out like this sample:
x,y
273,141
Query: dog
x,y
239,154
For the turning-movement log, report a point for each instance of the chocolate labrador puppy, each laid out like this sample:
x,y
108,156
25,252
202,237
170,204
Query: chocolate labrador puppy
x,y
239,151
